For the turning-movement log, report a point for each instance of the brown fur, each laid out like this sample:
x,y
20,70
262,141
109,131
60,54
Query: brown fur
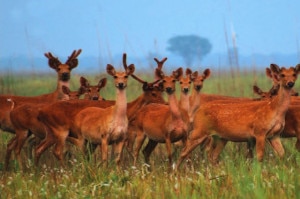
x,y
240,122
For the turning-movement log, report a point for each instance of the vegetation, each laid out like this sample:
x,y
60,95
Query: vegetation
x,y
234,177
189,47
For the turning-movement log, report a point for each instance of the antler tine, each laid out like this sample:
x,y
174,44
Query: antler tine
x,y
138,79
125,61
74,55
160,63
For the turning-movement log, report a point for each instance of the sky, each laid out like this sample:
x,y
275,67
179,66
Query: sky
x,y
108,27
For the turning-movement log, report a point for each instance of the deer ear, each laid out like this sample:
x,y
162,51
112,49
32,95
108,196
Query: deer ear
x,y
65,90
206,73
297,68
194,75
110,70
188,72
81,90
130,69
275,68
257,90
84,82
269,73
178,73
102,83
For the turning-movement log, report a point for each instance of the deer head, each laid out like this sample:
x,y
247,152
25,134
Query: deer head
x,y
168,82
73,94
92,92
63,70
120,78
285,76
199,79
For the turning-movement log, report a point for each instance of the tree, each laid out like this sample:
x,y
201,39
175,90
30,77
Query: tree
x,y
189,47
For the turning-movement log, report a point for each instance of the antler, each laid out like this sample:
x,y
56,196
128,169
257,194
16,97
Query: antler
x,y
53,62
160,63
72,60
125,61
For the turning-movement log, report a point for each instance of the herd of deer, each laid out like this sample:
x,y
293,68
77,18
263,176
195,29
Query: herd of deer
x,y
194,119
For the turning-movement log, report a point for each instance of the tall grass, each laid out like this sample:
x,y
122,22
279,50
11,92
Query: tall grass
x,y
233,177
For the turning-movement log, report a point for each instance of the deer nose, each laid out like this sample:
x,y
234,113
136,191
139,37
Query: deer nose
x,y
95,98
290,84
121,85
65,76
185,90
198,87
169,90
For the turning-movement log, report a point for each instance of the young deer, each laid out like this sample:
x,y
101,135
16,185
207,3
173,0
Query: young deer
x,y
109,125
259,120
59,117
92,91
63,77
25,122
162,123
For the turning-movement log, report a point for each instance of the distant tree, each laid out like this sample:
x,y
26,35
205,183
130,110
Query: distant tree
x,y
189,47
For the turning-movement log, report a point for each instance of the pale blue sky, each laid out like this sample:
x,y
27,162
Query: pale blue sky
x,y
108,27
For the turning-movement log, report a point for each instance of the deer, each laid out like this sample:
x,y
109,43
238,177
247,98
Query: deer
x,y
63,77
162,123
259,120
25,122
92,91
58,118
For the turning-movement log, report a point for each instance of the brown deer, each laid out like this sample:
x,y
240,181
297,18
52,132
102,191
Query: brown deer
x,y
92,91
58,118
25,122
105,126
63,72
259,120
162,123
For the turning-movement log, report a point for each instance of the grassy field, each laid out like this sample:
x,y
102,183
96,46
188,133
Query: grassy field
x,y
233,177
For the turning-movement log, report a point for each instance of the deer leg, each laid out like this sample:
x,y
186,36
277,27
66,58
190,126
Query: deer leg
x,y
21,138
131,136
277,146
139,143
191,144
297,145
260,147
148,150
10,146
45,144
104,151
250,147
215,153
118,152
59,146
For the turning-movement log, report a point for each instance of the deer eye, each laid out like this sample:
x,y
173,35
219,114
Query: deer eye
x,y
190,82
173,80
294,75
180,82
282,75
126,76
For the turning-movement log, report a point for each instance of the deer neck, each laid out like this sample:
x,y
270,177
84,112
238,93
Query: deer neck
x,y
174,108
282,101
195,101
184,102
59,92
121,104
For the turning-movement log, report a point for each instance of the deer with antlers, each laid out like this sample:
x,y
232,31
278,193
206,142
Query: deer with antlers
x,y
59,117
63,72
163,123
259,120
25,122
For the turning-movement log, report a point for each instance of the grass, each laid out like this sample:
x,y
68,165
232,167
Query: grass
x,y
234,177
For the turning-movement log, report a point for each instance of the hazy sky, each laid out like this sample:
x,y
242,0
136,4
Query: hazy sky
x,y
108,27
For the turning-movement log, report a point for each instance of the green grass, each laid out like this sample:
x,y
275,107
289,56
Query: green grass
x,y
233,177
